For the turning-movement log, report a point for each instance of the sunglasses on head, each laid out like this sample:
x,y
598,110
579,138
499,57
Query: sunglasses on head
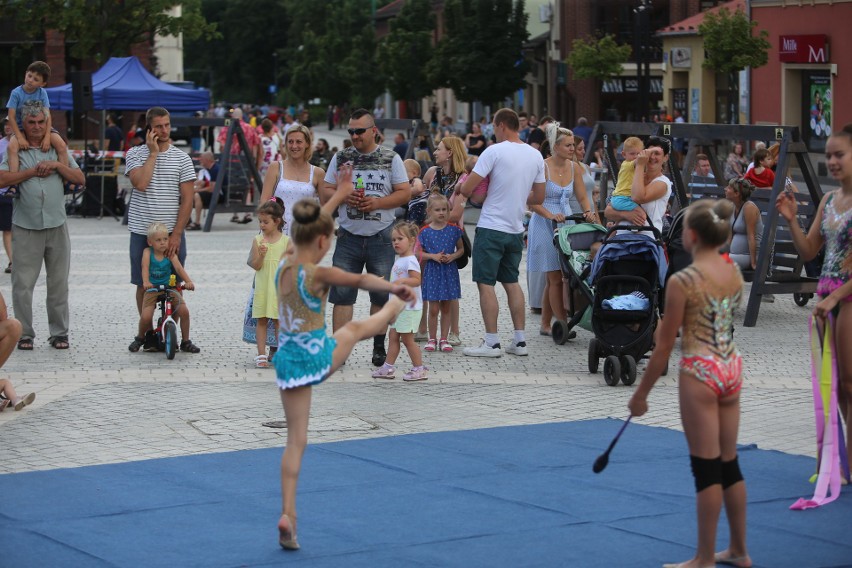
x,y
358,131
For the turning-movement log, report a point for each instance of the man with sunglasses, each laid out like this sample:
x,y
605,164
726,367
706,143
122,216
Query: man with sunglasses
x,y
366,218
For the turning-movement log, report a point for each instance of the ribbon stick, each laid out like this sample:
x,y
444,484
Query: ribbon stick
x,y
831,447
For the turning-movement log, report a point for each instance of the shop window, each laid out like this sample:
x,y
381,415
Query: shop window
x,y
816,109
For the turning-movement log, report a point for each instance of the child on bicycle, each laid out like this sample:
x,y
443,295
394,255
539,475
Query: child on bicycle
x,y
306,355
157,269
267,249
406,270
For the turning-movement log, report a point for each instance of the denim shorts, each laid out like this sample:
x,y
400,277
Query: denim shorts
x,y
352,253
138,244
496,256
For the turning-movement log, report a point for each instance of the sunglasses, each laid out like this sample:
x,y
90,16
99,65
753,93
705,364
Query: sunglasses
x,y
358,131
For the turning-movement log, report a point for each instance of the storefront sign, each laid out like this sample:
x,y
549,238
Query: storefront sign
x,y
682,57
803,49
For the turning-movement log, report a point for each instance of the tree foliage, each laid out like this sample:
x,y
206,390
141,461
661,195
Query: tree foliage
x,y
100,29
597,58
332,57
404,50
729,43
481,55
239,65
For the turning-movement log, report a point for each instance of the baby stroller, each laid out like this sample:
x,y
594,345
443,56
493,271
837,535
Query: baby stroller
x,y
627,275
574,242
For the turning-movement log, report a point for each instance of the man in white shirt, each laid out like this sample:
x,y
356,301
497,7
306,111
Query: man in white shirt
x,y
516,173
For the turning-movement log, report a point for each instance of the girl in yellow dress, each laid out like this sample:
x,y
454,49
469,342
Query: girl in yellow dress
x,y
267,249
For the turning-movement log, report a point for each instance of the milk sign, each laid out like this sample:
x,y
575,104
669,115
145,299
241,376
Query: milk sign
x,y
803,49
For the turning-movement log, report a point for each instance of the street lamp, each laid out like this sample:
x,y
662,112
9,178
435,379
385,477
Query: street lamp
x,y
273,87
643,55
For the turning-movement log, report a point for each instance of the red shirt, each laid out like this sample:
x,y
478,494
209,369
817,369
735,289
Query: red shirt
x,y
765,179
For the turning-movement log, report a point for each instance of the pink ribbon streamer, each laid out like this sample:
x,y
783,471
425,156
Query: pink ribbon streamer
x,y
831,446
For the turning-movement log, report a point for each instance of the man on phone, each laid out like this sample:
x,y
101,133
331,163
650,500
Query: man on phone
x,y
162,178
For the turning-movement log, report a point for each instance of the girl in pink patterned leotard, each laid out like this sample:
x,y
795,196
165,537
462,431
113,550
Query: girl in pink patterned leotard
x,y
832,227
700,302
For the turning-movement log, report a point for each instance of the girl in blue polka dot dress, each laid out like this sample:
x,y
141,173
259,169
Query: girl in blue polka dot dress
x,y
441,244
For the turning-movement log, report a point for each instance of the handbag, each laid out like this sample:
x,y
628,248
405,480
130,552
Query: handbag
x,y
250,324
461,261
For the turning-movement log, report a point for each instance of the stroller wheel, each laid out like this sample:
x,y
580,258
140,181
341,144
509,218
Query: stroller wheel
x,y
593,356
561,333
802,299
612,370
628,370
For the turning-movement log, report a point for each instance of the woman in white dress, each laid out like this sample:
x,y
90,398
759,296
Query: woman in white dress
x,y
294,178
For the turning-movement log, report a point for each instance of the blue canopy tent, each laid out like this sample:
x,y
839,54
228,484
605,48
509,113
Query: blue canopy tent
x,y
124,84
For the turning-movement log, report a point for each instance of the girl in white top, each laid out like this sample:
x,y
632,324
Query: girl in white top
x,y
294,178
406,270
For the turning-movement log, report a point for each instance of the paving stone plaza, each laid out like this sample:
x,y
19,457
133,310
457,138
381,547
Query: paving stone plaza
x,y
98,403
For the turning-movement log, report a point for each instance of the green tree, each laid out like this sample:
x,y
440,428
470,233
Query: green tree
x,y
100,29
241,63
481,55
730,47
402,52
331,52
599,59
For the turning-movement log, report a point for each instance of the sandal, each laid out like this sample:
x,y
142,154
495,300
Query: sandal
x,y
59,342
235,218
261,362
137,344
188,346
445,346
246,219
25,344
193,227
431,345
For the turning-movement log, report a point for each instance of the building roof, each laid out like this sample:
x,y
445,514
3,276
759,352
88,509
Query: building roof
x,y
690,25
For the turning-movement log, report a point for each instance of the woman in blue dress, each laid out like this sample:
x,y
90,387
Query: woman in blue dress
x,y
561,171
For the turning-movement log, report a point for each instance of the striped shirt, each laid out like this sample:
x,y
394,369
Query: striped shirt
x,y
161,201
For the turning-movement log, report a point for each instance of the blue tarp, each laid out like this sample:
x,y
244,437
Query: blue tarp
x,y
124,84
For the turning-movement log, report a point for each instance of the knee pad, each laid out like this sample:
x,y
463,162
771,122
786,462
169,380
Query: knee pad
x,y
706,472
731,473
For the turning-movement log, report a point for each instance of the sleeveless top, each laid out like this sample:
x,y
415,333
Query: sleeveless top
x,y
290,191
739,243
159,271
265,303
304,350
836,231
708,319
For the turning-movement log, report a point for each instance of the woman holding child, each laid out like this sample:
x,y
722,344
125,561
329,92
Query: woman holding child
x,y
564,180
650,188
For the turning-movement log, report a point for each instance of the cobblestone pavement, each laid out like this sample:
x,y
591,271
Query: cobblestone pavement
x,y
98,403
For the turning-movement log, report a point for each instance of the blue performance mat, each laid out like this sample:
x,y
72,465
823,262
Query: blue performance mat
x,y
513,496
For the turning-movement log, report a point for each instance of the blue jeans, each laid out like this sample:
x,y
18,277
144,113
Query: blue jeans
x,y
352,254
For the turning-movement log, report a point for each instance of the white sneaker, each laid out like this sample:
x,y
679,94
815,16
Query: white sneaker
x,y
484,351
519,349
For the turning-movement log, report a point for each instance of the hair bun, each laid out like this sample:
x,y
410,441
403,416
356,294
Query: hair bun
x,y
306,212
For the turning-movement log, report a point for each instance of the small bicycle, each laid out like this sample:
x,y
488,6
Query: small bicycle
x,y
166,328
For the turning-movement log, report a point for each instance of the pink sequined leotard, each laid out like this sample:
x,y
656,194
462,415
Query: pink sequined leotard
x,y
836,230
707,342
